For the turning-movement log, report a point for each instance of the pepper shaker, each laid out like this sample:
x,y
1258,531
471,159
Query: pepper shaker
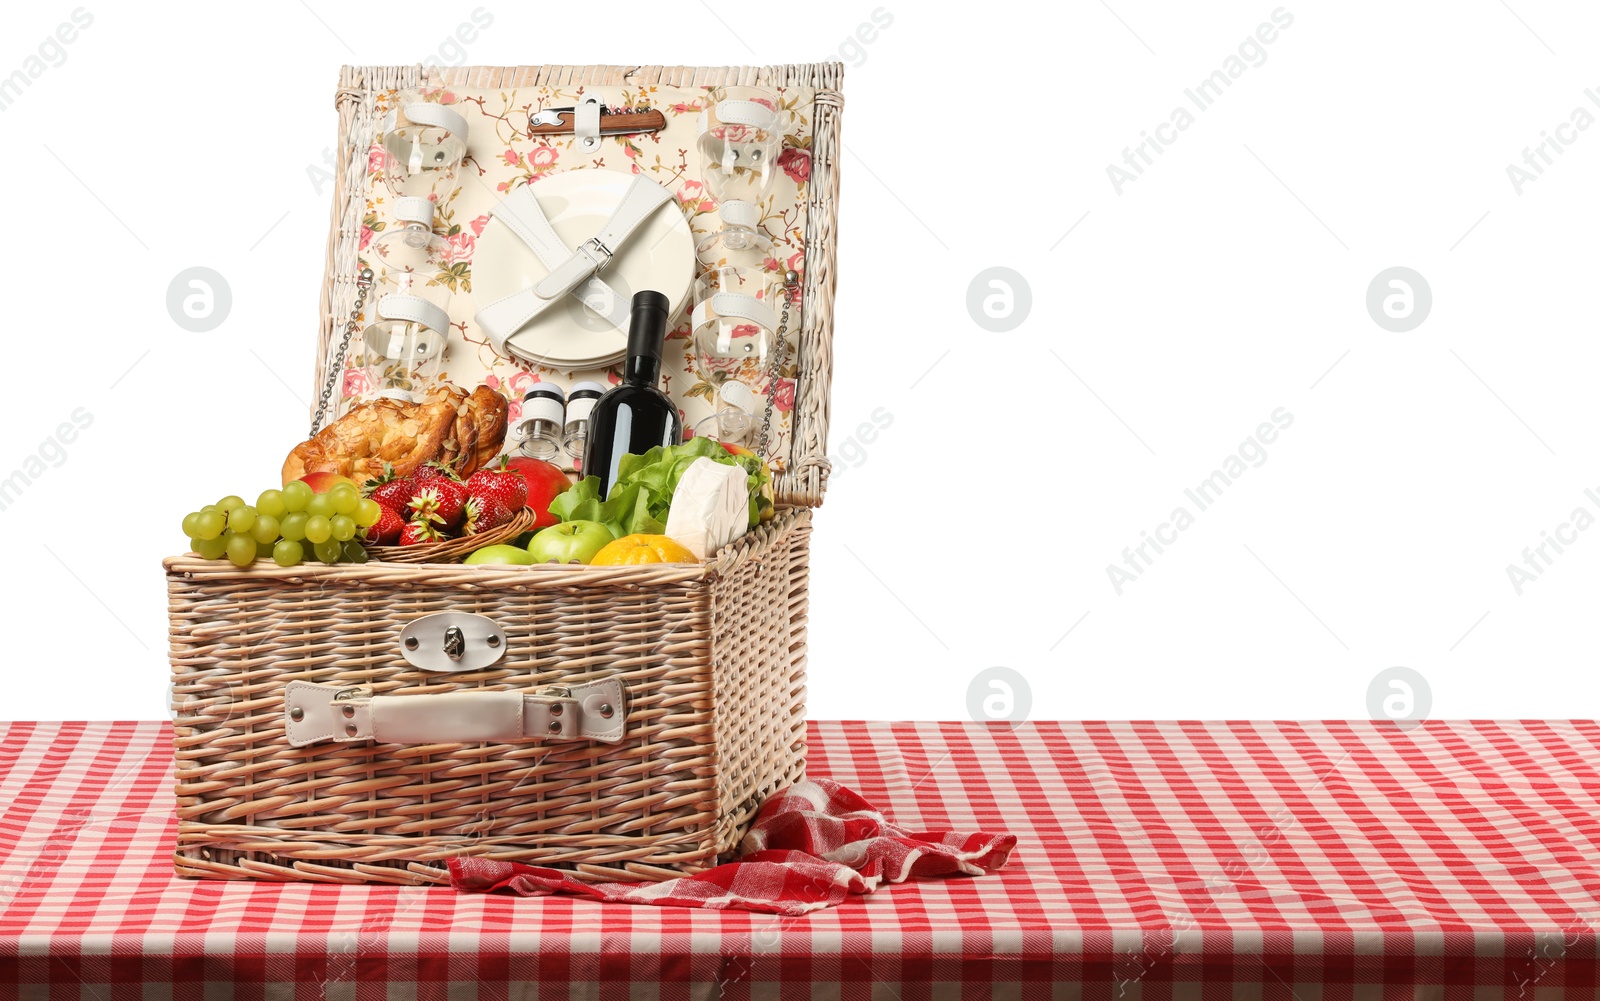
x,y
543,415
579,402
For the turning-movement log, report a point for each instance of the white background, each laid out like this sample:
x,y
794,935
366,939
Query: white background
x,y
1168,321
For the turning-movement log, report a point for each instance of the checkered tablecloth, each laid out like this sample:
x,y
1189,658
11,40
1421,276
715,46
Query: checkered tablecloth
x,y
1155,860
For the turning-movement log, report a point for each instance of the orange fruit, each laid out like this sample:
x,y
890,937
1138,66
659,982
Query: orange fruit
x,y
640,548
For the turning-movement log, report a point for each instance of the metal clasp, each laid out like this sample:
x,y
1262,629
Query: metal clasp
x,y
598,253
455,643
452,641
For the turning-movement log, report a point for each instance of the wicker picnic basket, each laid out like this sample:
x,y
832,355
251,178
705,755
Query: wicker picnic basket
x,y
657,705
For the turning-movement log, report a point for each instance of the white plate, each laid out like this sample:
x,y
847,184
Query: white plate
x,y
569,335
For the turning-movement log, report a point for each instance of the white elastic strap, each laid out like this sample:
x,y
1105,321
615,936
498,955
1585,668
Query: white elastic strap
x,y
738,112
745,215
414,309
414,208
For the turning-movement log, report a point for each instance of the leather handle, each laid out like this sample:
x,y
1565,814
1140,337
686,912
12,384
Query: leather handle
x,y
590,711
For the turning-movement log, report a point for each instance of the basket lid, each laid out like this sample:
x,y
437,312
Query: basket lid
x,y
502,156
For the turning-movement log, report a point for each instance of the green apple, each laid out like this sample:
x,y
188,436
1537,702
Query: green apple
x,y
500,555
569,542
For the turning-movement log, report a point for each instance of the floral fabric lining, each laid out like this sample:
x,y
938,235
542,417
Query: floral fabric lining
x,y
502,156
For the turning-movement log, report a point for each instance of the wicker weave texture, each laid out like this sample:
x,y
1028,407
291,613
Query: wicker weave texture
x,y
457,549
805,477
712,658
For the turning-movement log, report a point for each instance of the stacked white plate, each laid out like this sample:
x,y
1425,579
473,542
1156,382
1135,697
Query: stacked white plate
x,y
570,336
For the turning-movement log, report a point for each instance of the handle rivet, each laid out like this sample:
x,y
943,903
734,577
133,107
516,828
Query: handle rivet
x,y
349,712
555,726
297,714
557,709
411,643
493,641
350,731
606,710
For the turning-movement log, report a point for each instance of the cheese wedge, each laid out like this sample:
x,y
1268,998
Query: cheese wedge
x,y
710,508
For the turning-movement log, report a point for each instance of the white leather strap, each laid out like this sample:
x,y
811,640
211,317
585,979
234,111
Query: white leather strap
x,y
736,394
413,309
745,215
738,112
500,319
413,208
590,711
586,123
643,197
590,256
429,114
735,304
571,271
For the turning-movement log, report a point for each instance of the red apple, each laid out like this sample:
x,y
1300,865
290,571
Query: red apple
x,y
545,482
321,483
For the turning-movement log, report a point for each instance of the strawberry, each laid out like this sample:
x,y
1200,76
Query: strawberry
x,y
439,501
501,482
418,533
387,531
389,490
485,514
434,471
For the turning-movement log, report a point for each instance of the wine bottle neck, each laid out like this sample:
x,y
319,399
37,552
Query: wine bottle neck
x,y
647,334
642,370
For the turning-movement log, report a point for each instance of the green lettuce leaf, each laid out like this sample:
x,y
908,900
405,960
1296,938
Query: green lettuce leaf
x,y
642,495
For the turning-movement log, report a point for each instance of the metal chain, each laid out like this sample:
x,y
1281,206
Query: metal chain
x,y
363,283
791,280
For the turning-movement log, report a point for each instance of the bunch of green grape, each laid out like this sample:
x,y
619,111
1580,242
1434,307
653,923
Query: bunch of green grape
x,y
284,524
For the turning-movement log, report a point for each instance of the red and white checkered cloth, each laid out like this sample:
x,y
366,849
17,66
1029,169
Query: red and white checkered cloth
x,y
1154,860
810,846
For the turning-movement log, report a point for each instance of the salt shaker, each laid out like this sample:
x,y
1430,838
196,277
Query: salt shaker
x,y
579,402
543,416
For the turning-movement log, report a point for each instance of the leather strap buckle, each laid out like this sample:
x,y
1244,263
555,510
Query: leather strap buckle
x,y
596,252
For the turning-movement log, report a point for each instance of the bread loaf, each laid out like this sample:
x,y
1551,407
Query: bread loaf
x,y
448,426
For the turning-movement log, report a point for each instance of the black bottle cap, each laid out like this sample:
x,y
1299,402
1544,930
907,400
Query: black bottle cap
x,y
647,324
545,389
650,299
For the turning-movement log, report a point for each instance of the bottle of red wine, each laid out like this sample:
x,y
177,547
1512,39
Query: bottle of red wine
x,y
635,415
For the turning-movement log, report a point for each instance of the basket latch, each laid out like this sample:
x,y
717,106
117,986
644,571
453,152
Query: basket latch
x,y
592,710
452,641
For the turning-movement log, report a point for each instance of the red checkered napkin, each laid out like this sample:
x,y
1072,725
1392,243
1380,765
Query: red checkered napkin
x,y
811,846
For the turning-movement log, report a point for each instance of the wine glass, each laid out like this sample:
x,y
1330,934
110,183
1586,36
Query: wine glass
x,y
421,145
402,348
739,143
734,331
